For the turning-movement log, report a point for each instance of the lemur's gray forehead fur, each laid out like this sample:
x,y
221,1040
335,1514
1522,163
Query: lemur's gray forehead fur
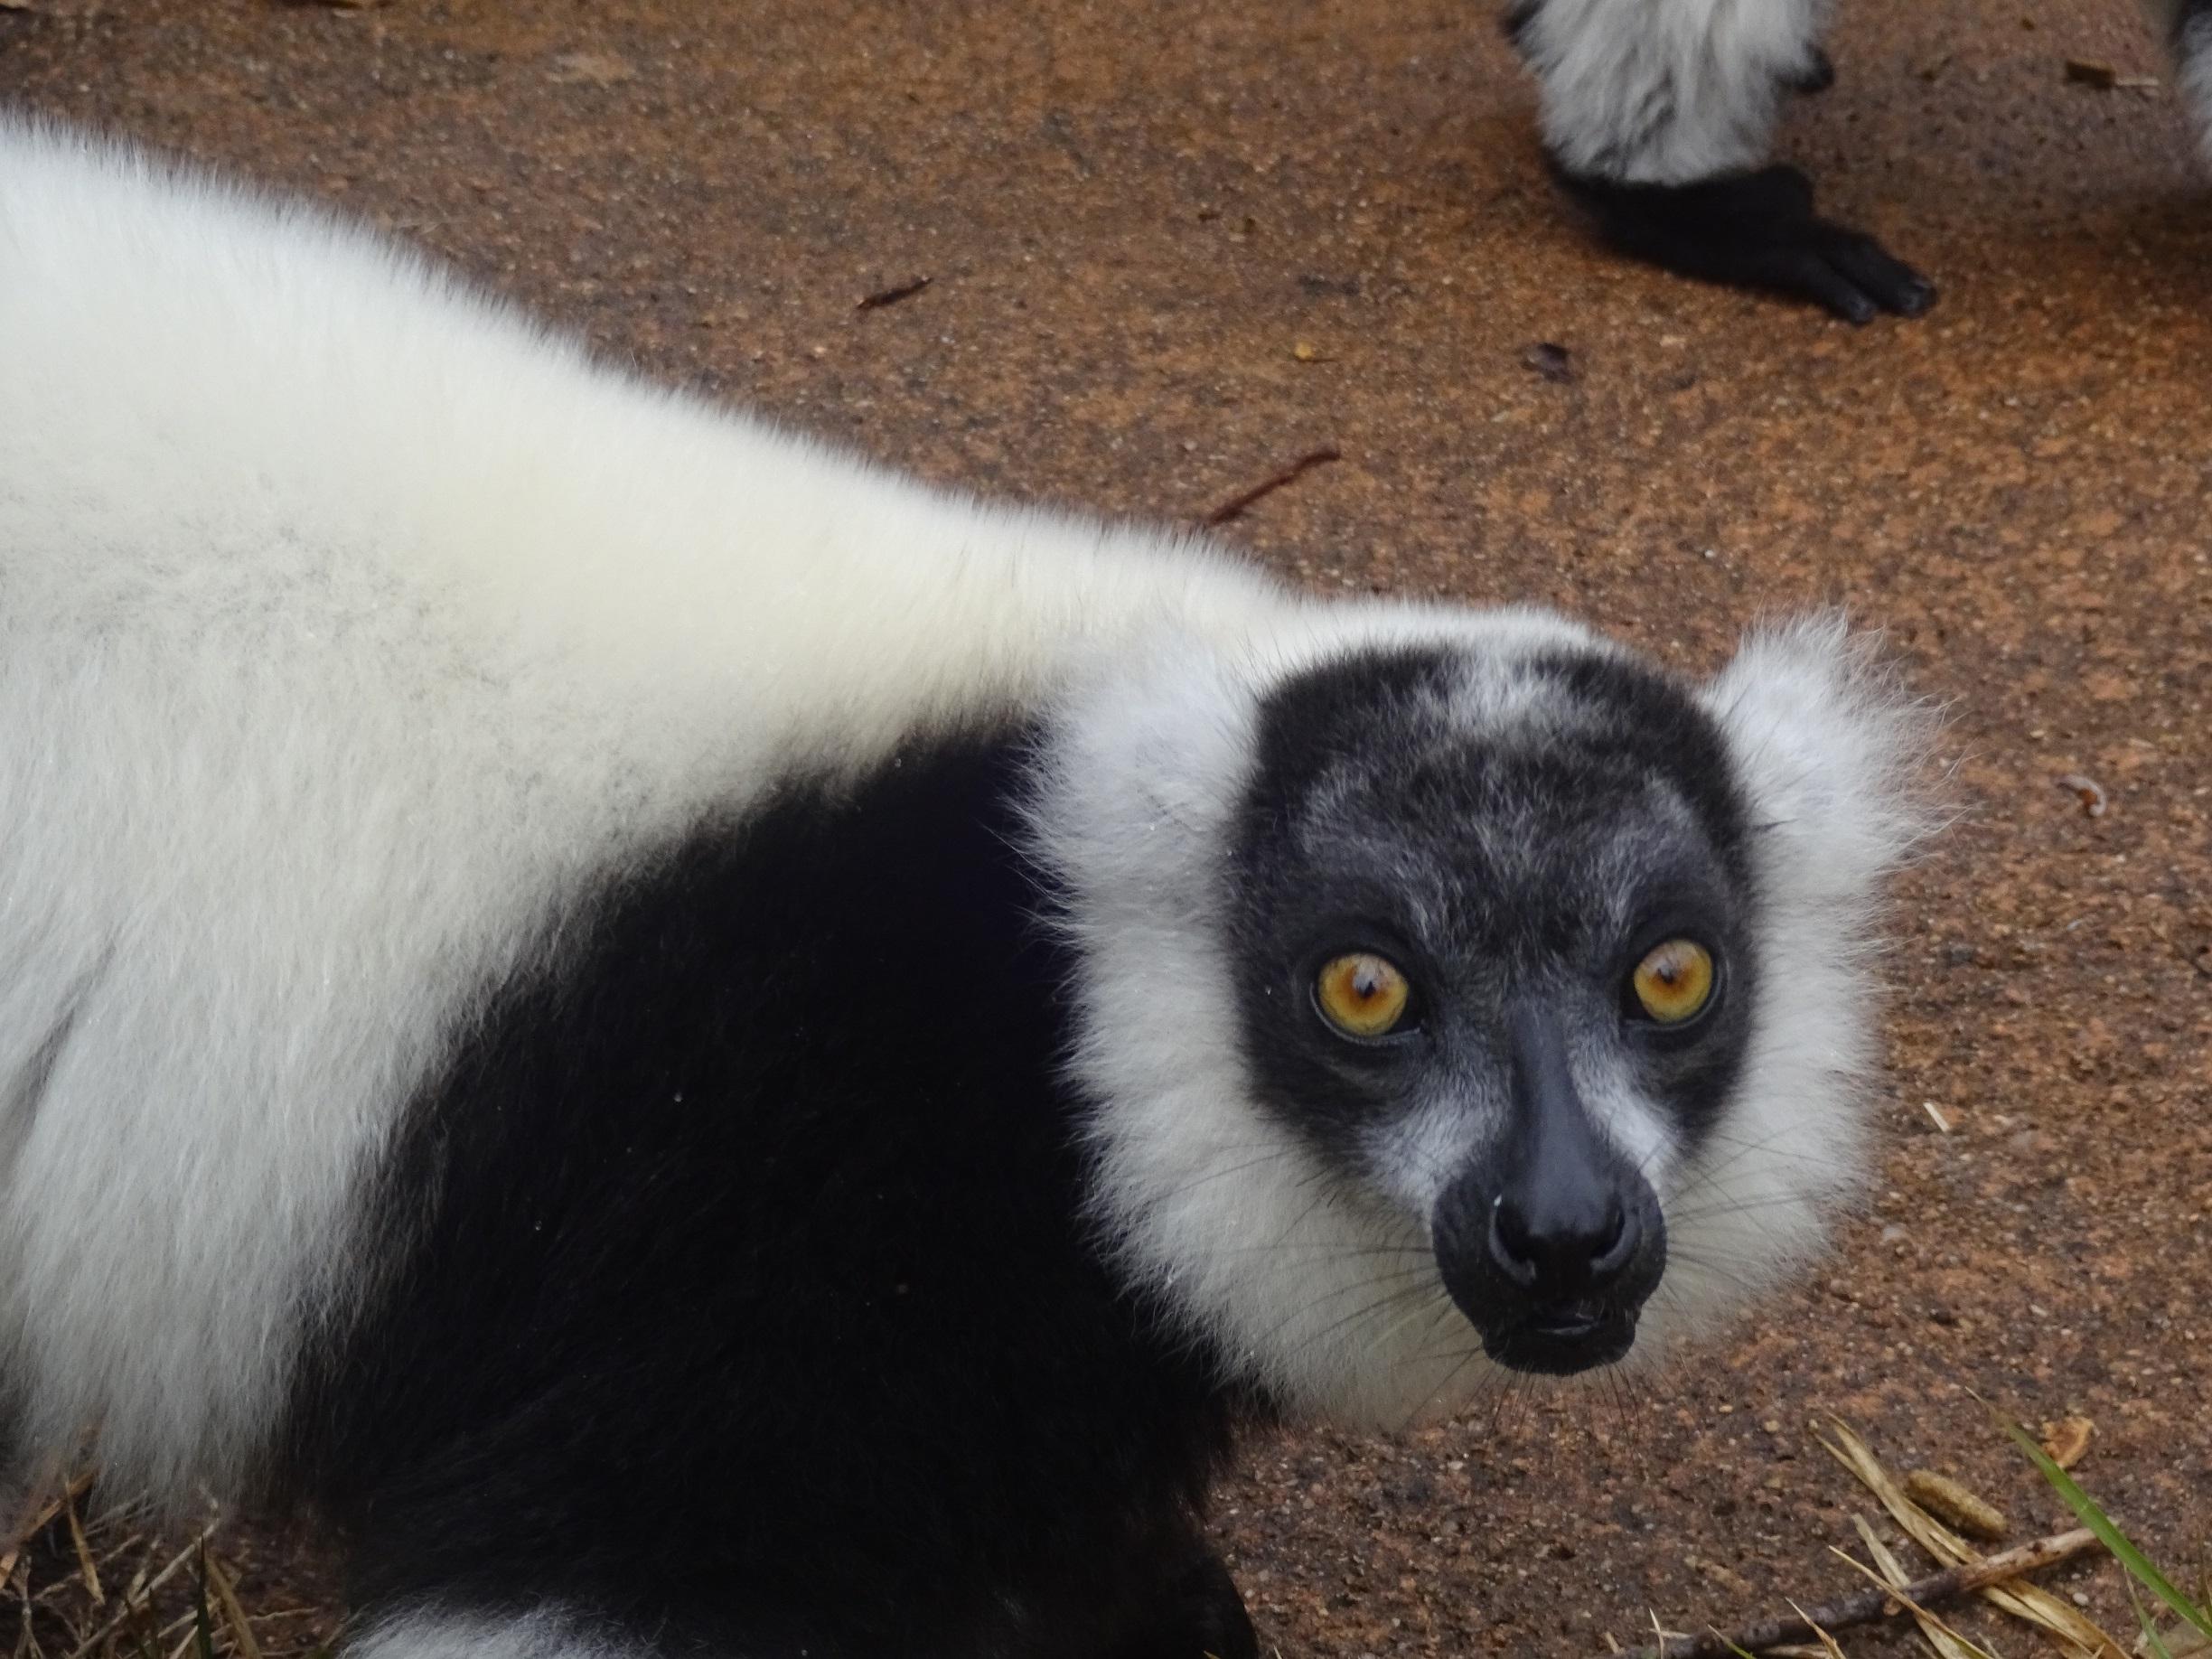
x,y
1535,798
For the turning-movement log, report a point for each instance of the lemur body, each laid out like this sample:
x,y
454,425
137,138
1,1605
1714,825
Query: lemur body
x,y
713,1051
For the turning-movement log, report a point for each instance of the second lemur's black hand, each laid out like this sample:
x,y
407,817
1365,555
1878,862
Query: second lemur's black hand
x,y
1753,230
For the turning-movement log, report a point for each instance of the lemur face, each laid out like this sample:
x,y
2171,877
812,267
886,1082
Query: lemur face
x,y
1497,963
1464,994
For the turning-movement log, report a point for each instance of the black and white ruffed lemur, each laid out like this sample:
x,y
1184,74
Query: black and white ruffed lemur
x,y
713,1051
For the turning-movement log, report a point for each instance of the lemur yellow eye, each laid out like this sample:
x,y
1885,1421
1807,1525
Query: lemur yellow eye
x,y
1362,995
1675,981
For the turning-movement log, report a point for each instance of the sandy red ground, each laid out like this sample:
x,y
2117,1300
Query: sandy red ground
x,y
1136,214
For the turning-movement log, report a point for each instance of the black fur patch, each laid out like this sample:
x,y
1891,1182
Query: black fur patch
x,y
745,1300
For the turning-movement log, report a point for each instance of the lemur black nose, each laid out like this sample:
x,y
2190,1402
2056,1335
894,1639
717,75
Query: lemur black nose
x,y
1552,1240
1556,1247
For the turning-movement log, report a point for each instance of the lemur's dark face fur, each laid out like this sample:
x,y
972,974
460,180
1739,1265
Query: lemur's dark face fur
x,y
1493,965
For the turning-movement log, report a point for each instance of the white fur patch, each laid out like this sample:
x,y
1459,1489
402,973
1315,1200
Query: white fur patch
x,y
348,620
1666,91
2193,57
2185,28
1827,748
432,1632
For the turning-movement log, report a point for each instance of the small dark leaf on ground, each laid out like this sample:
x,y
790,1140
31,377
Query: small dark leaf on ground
x,y
1554,362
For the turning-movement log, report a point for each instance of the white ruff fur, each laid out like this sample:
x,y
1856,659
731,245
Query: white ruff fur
x,y
1828,750
429,1633
1666,91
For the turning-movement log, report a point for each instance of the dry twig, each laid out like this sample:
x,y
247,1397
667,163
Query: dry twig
x,y
2024,1601
891,297
233,1610
1871,1606
142,1595
1236,506
84,1551
1947,1642
39,1512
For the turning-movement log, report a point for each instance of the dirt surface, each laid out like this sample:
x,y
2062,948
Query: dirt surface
x,y
1174,245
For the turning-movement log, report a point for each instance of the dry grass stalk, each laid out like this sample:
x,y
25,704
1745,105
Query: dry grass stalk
x,y
2024,1601
140,1595
1869,1607
39,1511
1947,1642
1829,1647
93,1583
84,1551
234,1614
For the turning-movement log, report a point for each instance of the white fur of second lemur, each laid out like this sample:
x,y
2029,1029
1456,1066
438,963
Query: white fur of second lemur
x,y
1666,91
2193,58
1672,91
2185,29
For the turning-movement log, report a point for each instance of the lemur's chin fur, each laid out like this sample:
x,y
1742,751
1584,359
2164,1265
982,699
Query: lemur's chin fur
x,y
712,1050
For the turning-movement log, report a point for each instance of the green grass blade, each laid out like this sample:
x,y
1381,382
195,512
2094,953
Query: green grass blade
x,y
204,1629
2151,1636
2110,1536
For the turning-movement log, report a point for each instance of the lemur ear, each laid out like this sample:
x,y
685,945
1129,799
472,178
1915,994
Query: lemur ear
x,y
1831,754
1153,751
